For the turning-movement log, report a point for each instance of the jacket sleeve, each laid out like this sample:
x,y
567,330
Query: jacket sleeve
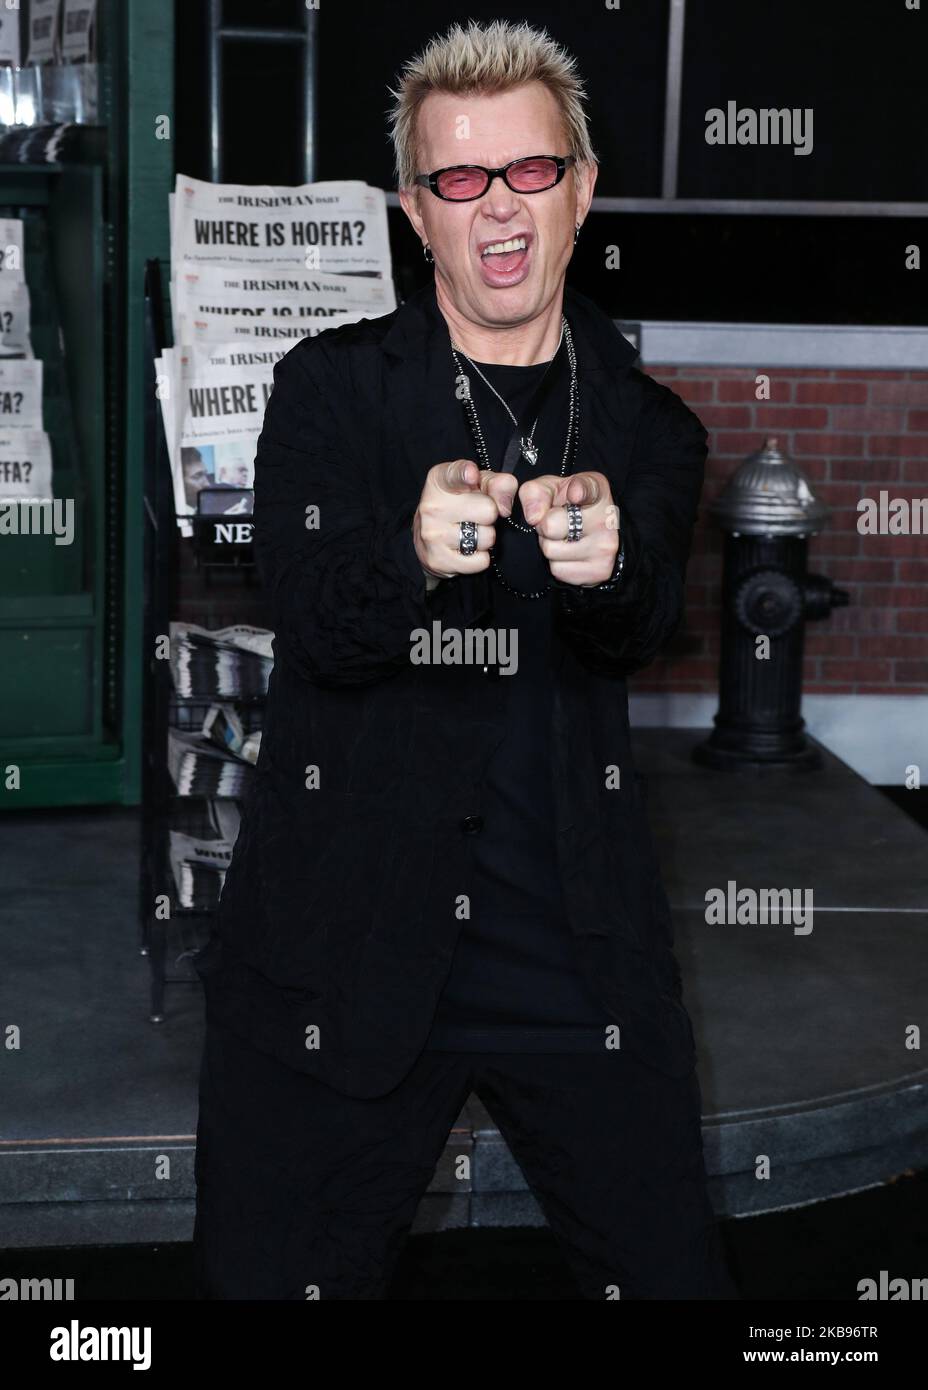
x,y
344,582
618,630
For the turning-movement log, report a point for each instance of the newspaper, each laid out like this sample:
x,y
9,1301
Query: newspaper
x,y
78,31
223,726
200,362
212,291
228,663
9,42
213,409
199,862
11,232
288,328
254,270
199,768
21,394
14,318
25,464
25,449
333,226
43,30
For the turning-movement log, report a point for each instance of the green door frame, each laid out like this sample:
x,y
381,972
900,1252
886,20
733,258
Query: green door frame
x,y
124,223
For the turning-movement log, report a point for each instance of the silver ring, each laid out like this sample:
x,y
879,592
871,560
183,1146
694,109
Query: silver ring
x,y
574,521
468,542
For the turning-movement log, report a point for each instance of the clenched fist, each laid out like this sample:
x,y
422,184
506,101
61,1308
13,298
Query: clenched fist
x,y
590,560
455,492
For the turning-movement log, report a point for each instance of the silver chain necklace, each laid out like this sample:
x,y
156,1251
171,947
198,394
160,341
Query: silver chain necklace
x,y
462,385
527,442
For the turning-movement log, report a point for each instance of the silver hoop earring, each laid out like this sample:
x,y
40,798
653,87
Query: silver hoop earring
x,y
427,253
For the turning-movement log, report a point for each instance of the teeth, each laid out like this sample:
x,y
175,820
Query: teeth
x,y
498,247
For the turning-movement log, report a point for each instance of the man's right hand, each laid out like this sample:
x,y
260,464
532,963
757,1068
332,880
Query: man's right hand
x,y
455,492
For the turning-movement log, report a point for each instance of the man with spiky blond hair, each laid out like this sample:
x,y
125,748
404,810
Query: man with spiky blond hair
x,y
444,881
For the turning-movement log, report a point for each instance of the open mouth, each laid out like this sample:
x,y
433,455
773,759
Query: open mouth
x,y
503,261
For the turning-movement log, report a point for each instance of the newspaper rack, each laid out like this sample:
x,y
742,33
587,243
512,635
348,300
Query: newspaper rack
x,y
209,576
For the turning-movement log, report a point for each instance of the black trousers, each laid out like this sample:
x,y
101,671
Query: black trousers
x,y
303,1192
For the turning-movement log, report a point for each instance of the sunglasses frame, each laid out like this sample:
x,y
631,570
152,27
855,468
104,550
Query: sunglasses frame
x,y
563,163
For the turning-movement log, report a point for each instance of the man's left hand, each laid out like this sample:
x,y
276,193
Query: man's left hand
x,y
591,559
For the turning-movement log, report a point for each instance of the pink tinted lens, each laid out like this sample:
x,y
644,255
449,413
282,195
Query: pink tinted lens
x,y
462,183
529,175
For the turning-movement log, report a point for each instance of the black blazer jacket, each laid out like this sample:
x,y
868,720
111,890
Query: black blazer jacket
x,y
339,914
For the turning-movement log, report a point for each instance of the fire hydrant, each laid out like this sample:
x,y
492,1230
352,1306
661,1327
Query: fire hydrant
x,y
767,511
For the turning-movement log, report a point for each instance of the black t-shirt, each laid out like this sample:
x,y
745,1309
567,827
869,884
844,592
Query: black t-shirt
x,y
514,983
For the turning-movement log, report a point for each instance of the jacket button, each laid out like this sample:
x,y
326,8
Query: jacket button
x,y
472,825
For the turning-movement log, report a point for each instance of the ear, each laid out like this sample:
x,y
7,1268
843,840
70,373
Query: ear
x,y
586,181
409,202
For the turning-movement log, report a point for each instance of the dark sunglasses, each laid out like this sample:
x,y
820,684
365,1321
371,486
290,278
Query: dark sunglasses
x,y
461,183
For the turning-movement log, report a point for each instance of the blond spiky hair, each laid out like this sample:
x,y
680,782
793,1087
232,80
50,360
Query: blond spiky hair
x,y
482,59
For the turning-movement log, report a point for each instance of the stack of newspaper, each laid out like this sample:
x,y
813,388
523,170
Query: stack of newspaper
x,y
211,758
216,760
199,860
25,452
229,662
199,768
254,269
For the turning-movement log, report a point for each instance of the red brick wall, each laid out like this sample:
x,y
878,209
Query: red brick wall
x,y
852,433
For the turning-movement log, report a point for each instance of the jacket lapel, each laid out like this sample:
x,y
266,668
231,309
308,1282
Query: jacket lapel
x,y
419,369
608,419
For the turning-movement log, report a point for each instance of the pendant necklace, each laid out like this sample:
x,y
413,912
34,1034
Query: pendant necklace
x,y
521,444
527,444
